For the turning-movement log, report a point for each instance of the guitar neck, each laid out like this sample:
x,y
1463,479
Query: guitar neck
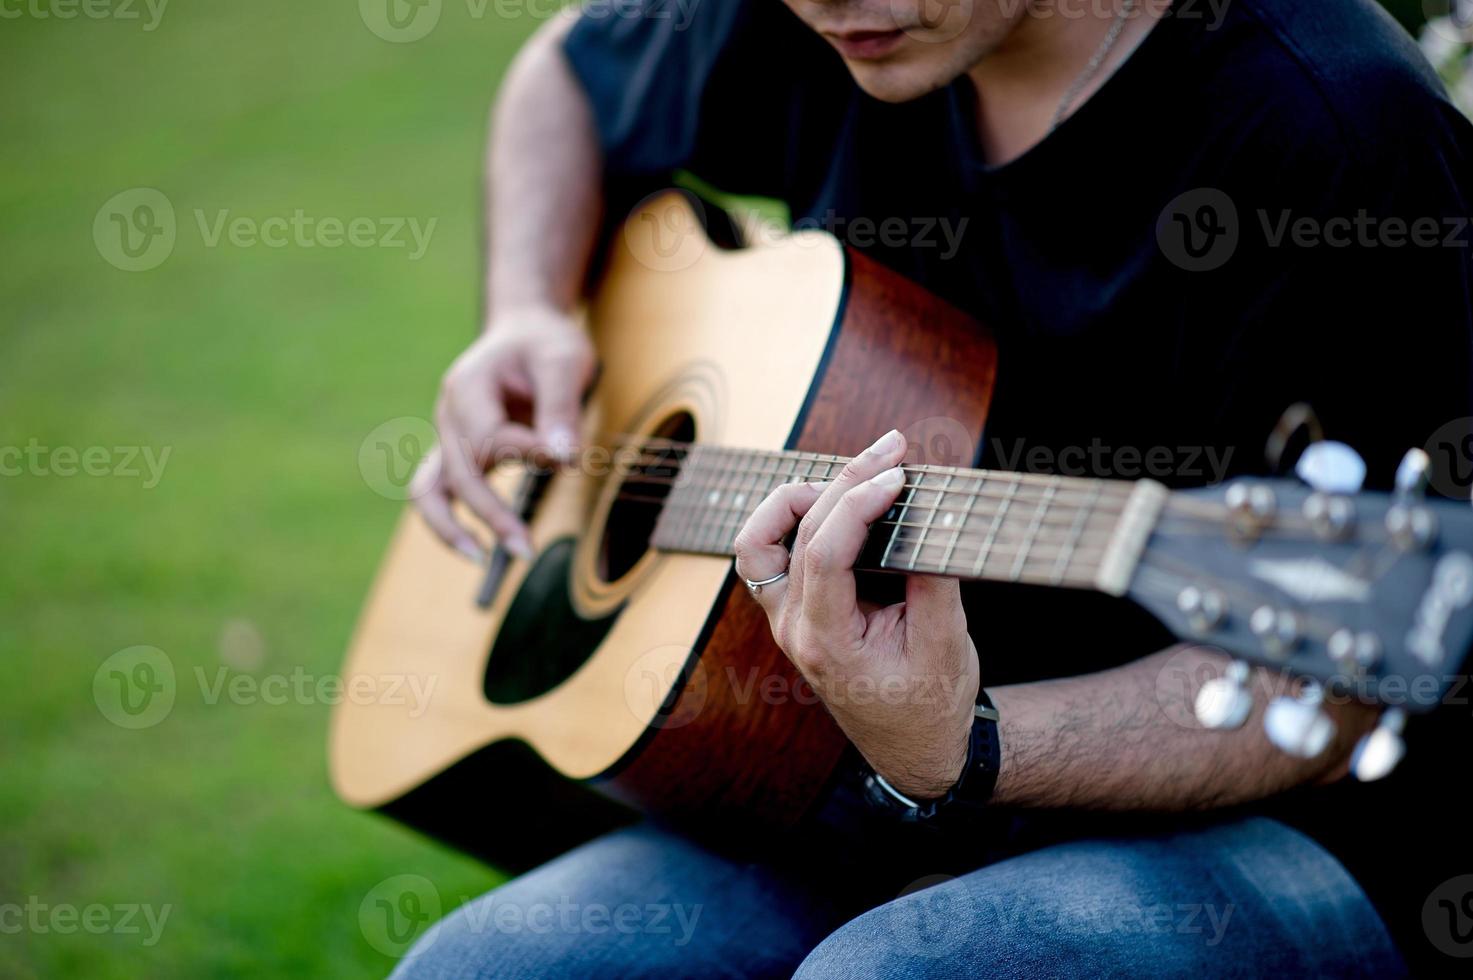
x,y
963,523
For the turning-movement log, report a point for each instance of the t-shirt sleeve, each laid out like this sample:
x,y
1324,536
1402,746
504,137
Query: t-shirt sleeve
x,y
714,88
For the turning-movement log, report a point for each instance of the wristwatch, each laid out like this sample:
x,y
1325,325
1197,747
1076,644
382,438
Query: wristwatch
x,y
973,789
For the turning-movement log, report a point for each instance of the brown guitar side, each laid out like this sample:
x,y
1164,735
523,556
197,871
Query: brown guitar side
x,y
902,358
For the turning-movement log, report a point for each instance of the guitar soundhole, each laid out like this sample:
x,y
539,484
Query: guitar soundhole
x,y
642,492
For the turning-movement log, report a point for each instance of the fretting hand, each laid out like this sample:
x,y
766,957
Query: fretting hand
x,y
900,680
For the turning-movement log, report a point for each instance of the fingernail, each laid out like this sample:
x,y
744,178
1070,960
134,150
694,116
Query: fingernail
x,y
819,485
518,546
890,479
561,442
471,551
888,442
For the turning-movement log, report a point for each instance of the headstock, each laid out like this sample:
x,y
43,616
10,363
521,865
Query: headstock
x,y
1366,595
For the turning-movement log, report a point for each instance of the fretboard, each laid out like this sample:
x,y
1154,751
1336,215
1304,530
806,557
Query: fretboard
x,y
963,523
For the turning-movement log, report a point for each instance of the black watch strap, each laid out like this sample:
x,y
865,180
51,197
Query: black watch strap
x,y
973,790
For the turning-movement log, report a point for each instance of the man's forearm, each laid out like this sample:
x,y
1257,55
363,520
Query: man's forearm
x,y
543,175
1125,739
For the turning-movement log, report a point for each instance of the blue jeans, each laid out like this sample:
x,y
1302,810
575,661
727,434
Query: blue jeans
x,y
1244,898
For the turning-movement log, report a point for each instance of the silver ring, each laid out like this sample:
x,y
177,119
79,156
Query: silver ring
x,y
756,587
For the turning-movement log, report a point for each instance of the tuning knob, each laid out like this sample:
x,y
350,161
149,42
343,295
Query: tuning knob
x,y
1251,508
1224,702
1297,725
1331,467
1409,522
1412,473
1378,751
1277,629
1205,609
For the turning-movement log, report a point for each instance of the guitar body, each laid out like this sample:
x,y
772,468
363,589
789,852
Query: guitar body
x,y
604,677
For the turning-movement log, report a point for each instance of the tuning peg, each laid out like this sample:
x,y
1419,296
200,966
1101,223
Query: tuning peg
x,y
1251,508
1297,725
1412,473
1378,751
1224,702
1410,523
1331,467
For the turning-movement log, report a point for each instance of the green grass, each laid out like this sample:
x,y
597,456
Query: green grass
x,y
261,371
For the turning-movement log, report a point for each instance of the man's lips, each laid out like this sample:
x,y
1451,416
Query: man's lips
x,y
867,45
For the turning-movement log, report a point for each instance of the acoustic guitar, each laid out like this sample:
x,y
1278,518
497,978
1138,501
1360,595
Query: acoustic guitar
x,y
624,667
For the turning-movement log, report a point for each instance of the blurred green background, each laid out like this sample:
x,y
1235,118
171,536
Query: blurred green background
x,y
261,371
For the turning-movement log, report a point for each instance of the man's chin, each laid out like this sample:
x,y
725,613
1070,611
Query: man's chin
x,y
892,82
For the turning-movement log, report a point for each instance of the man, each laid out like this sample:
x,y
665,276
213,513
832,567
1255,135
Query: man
x,y
1180,220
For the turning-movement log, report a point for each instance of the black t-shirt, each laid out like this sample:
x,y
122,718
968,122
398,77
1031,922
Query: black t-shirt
x,y
1151,272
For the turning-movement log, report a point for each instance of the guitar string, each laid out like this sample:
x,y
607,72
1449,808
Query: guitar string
x,y
1208,514
1186,510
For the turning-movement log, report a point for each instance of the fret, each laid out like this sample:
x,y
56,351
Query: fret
x,y
791,476
721,513
900,523
920,545
956,532
1066,554
1042,529
705,521
747,494
1026,547
729,520
688,486
997,519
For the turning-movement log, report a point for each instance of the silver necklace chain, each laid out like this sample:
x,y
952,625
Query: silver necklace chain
x,y
1093,67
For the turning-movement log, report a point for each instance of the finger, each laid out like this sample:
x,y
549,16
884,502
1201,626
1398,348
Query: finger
x,y
478,415
829,599
431,499
466,481
887,452
760,553
559,376
933,610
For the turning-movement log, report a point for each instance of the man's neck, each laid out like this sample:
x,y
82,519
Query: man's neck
x,y
1022,82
